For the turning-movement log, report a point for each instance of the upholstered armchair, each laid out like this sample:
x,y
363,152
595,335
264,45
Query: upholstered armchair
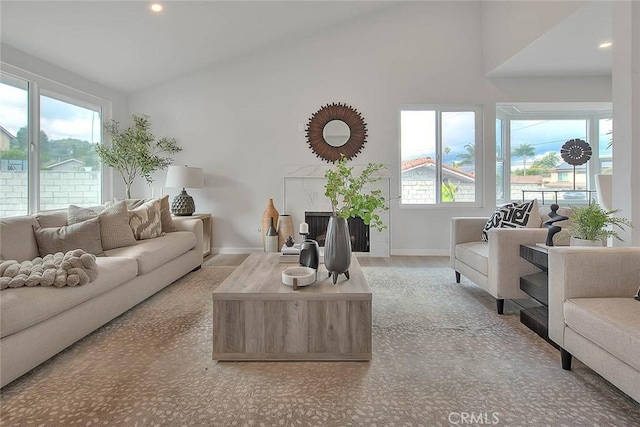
x,y
494,266
593,314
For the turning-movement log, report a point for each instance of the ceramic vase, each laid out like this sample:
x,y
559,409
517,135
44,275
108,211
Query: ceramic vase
x,y
271,238
284,228
337,248
582,242
269,212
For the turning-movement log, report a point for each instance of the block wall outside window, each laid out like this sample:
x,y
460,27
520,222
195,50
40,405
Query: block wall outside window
x,y
78,188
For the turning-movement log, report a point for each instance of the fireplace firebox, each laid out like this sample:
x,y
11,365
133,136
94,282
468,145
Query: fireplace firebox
x,y
318,222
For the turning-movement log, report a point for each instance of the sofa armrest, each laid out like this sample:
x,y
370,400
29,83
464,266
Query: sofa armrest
x,y
589,272
191,224
463,230
505,264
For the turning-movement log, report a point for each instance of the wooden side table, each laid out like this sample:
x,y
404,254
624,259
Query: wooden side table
x,y
207,231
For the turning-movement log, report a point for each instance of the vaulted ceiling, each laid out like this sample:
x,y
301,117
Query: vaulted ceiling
x,y
123,45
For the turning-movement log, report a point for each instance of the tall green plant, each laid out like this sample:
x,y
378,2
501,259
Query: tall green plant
x,y
348,197
135,152
590,223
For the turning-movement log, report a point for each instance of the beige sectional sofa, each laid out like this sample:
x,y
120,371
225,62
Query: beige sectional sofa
x,y
38,322
592,313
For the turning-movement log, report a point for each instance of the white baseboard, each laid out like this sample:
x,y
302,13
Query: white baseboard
x,y
420,252
235,251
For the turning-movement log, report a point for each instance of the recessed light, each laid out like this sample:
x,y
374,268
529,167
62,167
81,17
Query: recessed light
x,y
605,45
156,7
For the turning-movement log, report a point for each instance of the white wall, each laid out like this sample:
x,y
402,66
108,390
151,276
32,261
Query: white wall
x,y
626,116
240,122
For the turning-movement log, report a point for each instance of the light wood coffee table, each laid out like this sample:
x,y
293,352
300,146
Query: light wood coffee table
x,y
257,317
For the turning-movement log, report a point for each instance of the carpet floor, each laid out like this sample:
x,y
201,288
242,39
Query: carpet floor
x,y
441,357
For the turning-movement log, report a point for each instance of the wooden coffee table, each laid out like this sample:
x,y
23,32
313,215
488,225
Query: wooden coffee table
x,y
257,317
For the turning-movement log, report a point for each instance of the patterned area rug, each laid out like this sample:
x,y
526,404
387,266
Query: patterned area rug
x,y
441,356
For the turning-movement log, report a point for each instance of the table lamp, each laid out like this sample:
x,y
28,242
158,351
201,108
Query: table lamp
x,y
183,177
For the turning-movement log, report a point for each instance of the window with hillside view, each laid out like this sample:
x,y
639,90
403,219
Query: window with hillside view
x,y
438,147
528,151
47,153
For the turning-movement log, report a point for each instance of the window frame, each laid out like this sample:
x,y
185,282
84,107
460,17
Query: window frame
x,y
439,109
37,86
591,117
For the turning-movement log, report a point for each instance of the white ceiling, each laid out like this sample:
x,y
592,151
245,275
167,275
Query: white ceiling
x,y
568,49
125,46
122,45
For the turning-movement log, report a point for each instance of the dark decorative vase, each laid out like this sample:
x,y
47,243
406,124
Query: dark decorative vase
x,y
337,248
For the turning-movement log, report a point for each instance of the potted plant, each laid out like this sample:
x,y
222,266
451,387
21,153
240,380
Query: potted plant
x,y
135,152
590,225
349,199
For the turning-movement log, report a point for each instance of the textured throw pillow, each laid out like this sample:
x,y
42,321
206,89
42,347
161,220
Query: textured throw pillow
x,y
165,211
513,215
84,235
114,224
145,220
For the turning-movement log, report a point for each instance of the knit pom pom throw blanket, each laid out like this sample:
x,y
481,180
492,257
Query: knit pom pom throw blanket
x,y
60,269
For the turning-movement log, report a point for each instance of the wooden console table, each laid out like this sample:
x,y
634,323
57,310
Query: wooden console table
x,y
537,286
257,317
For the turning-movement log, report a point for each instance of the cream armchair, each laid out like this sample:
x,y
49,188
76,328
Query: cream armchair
x,y
494,266
592,313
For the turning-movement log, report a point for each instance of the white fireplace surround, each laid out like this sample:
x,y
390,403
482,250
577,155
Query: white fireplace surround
x,y
303,191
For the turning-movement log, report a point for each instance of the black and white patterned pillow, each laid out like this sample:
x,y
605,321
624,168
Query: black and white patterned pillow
x,y
513,215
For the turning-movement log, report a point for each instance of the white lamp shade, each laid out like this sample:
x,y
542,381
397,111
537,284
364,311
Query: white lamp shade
x,y
184,177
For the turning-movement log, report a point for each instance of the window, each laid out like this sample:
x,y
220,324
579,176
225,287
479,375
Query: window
x,y
439,148
47,147
528,139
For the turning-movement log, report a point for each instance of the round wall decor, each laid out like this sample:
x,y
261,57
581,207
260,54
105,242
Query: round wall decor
x,y
576,152
335,130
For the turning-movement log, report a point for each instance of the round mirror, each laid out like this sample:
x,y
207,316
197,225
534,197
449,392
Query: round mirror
x,y
336,133
336,130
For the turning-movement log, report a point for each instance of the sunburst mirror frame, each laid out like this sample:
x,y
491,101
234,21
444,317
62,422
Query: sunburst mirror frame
x,y
336,111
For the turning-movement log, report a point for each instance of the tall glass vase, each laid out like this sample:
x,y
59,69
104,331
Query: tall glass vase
x,y
337,248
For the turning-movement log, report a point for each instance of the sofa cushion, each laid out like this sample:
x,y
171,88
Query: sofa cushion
x,y
152,253
145,220
513,215
23,307
611,323
114,224
475,255
84,235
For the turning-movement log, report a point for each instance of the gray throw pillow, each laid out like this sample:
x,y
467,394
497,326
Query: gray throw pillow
x,y
114,224
84,235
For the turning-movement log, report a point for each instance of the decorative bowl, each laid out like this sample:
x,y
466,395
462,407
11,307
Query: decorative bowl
x,y
302,275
